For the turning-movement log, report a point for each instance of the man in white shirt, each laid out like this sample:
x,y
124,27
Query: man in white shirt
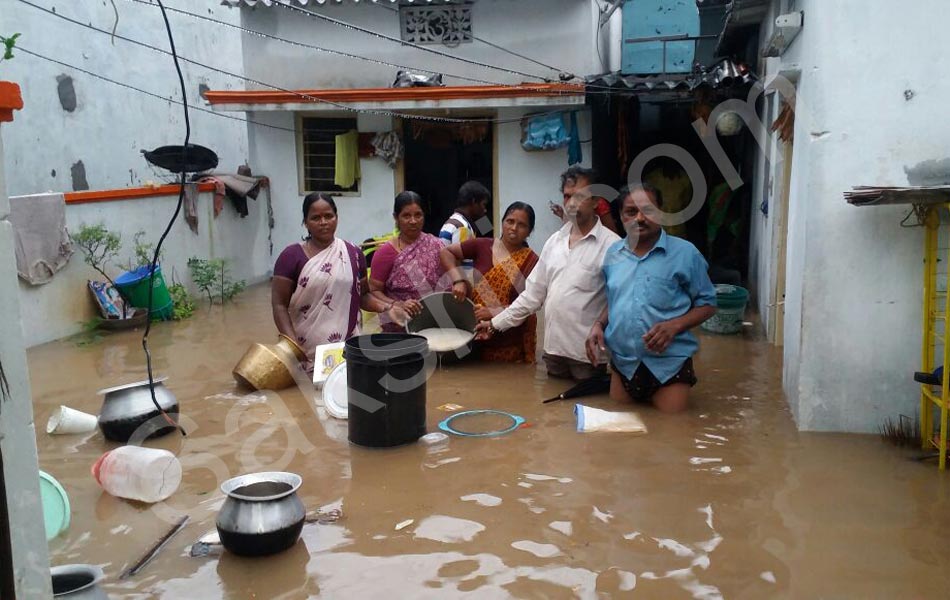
x,y
472,205
568,280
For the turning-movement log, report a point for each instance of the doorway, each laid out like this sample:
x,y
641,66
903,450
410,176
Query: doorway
x,y
784,126
439,158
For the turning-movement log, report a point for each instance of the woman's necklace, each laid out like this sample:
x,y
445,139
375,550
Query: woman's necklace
x,y
315,248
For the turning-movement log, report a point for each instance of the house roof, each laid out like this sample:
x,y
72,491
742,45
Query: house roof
x,y
306,2
525,94
723,74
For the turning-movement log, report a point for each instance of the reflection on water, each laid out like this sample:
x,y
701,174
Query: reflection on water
x,y
727,500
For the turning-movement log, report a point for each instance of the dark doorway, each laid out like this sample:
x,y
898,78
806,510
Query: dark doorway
x,y
439,158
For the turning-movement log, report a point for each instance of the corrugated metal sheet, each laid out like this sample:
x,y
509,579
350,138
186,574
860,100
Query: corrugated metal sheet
x,y
724,74
320,2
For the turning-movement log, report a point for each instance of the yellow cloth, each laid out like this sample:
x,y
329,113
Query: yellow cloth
x,y
677,193
347,167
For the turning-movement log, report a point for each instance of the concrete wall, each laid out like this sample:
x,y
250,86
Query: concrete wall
x,y
111,125
59,308
28,551
853,274
559,33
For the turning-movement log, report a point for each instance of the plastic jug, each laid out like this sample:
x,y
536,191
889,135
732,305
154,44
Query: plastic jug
x,y
137,473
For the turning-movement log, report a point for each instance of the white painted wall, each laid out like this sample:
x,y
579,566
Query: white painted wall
x,y
359,216
853,274
30,557
559,33
112,125
59,308
533,177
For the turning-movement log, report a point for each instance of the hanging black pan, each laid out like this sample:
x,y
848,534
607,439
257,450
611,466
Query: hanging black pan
x,y
195,160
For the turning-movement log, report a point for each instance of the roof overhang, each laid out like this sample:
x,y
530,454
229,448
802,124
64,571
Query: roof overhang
x,y
724,76
411,98
252,3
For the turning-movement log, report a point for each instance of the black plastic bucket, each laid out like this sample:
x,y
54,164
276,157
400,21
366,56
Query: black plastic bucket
x,y
386,388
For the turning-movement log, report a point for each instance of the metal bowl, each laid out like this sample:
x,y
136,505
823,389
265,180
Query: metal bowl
x,y
262,513
441,310
128,407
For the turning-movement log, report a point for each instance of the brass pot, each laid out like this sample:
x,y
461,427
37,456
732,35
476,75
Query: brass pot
x,y
269,366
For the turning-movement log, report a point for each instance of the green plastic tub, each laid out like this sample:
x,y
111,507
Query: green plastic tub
x,y
133,285
731,301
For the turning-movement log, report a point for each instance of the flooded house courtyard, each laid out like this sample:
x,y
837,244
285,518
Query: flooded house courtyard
x,y
727,500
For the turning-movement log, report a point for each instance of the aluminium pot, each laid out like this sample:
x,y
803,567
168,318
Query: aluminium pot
x,y
261,514
126,408
77,582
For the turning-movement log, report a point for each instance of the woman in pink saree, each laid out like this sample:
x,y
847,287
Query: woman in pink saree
x,y
407,268
319,285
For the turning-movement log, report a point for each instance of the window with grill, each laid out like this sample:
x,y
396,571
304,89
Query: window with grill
x,y
317,148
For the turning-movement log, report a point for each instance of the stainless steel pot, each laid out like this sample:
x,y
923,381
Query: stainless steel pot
x,y
125,408
261,514
77,582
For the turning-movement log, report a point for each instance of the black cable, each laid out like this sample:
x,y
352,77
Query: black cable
x,y
24,50
168,228
301,95
321,48
482,40
347,25
225,115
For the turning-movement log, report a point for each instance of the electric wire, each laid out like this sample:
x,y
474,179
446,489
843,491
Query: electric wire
x,y
591,88
25,50
390,38
493,45
171,222
321,48
302,95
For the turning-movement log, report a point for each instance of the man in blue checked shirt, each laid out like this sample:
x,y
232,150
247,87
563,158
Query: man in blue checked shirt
x,y
657,290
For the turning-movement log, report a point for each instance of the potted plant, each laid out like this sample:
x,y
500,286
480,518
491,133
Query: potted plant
x,y
10,98
99,248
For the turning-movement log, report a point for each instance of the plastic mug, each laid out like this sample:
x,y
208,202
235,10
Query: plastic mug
x,y
65,420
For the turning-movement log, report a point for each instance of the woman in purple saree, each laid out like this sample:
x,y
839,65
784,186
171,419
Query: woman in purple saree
x,y
319,285
407,268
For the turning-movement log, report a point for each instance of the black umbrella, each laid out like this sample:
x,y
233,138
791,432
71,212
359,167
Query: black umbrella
x,y
595,385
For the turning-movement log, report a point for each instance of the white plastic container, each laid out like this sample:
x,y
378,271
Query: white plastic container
x,y
66,420
136,473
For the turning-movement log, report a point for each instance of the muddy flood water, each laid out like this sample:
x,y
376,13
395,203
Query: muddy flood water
x,y
727,500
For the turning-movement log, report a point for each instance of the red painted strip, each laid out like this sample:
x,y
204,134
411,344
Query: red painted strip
x,y
394,94
129,193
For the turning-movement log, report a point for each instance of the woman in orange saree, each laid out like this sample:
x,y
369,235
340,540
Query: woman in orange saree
x,y
501,267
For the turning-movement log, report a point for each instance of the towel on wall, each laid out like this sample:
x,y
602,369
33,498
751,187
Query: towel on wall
x,y
42,245
347,167
191,206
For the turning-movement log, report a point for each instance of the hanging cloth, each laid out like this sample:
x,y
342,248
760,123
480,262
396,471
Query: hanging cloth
x,y
347,165
574,152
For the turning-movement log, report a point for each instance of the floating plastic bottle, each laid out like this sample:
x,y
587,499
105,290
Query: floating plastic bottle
x,y
136,473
